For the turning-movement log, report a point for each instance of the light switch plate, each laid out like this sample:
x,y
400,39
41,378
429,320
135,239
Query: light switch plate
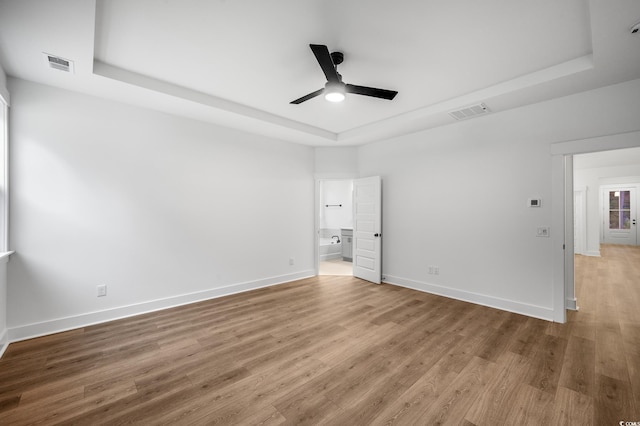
x,y
543,231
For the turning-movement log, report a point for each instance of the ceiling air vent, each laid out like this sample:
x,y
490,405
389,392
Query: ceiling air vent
x,y
470,111
58,63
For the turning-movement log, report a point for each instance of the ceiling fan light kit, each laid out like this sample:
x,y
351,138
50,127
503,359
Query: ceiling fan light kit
x,y
334,92
335,89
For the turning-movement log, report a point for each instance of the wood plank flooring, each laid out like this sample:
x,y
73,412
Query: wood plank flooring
x,y
341,351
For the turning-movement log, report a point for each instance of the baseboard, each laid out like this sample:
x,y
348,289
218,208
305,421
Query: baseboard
x,y
571,304
69,323
592,253
479,299
4,341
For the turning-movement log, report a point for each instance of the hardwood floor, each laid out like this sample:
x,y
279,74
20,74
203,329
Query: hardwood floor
x,y
337,350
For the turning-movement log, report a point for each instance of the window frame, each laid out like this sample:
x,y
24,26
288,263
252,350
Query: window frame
x,y
4,175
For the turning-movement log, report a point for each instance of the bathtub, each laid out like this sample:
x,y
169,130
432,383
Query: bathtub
x,y
330,249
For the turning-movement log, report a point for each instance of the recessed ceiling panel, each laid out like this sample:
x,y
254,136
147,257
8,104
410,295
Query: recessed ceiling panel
x,y
256,53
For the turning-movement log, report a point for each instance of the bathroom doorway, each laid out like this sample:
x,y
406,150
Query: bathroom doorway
x,y
335,226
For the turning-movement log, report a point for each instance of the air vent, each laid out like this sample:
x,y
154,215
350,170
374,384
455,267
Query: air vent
x,y
470,111
58,63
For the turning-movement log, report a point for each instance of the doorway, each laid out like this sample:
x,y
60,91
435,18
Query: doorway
x,y
564,182
605,185
335,226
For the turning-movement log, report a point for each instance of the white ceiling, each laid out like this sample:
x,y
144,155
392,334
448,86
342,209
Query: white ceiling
x,y
240,62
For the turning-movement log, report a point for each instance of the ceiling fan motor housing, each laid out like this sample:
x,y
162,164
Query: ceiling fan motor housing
x,y
337,58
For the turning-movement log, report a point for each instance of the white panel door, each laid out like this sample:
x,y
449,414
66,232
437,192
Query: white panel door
x,y
620,224
367,229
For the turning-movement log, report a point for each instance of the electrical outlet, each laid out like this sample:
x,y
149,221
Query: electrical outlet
x,y
543,231
291,261
102,290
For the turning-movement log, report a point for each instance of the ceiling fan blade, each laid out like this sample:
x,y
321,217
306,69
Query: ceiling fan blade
x,y
307,97
371,91
326,63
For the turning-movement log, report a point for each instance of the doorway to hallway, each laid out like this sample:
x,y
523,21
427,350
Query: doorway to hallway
x,y
605,185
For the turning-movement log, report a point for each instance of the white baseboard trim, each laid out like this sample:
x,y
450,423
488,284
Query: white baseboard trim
x,y
592,253
479,299
571,304
30,331
4,341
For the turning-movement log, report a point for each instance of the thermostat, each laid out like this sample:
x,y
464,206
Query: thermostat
x,y
534,202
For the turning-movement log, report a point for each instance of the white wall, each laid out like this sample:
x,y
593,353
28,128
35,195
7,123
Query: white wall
x,y
336,162
4,92
161,209
165,210
338,195
591,179
455,197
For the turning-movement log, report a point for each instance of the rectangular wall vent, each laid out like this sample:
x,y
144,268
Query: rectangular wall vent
x,y
470,111
58,63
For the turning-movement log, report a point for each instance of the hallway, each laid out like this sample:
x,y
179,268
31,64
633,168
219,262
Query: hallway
x,y
604,334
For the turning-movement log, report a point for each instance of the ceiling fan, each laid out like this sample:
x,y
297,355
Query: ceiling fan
x,y
335,90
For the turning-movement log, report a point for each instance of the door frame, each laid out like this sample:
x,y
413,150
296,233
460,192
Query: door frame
x,y
580,219
561,214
